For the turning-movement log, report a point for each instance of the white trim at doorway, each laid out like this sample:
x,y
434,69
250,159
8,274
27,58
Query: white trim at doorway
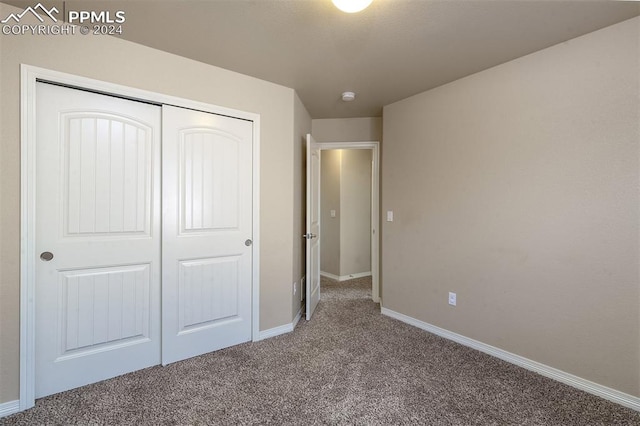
x,y
374,146
29,75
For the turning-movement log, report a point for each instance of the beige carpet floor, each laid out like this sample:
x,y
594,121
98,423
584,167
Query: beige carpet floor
x,y
349,365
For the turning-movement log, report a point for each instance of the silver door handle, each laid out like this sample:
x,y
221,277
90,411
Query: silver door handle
x,y
46,256
309,236
248,242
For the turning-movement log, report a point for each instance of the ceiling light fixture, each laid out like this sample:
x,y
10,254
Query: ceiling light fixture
x,y
348,96
351,6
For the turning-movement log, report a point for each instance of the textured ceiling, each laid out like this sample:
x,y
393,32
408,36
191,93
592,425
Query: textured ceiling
x,y
392,50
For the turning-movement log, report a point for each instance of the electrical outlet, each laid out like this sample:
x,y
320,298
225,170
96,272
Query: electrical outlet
x,y
295,288
452,299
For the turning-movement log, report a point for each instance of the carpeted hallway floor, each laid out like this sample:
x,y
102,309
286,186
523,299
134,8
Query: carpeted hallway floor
x,y
349,365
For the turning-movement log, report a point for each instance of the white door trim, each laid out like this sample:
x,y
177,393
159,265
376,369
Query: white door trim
x,y
375,206
29,75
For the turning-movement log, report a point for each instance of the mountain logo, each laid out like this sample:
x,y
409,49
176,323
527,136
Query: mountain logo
x,y
34,11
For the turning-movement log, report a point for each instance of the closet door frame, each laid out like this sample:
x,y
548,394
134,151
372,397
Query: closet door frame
x,y
29,76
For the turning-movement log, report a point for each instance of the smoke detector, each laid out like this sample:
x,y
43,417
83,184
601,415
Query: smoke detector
x,y
348,96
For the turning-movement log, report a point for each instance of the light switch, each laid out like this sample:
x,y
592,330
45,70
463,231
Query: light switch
x,y
333,213
389,215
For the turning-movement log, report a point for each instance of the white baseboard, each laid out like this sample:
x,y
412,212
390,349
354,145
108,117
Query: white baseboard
x,y
283,329
613,395
9,408
354,276
345,277
275,331
330,276
297,318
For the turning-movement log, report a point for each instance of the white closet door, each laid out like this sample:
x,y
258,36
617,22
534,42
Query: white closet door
x,y
207,226
98,233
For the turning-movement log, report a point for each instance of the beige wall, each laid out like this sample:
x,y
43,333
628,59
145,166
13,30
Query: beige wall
x,y
517,188
330,164
355,206
365,129
302,126
122,62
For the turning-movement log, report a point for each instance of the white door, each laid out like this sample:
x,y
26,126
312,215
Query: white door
x,y
207,232
98,232
313,226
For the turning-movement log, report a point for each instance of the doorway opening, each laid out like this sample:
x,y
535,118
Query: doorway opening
x,y
347,174
345,213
